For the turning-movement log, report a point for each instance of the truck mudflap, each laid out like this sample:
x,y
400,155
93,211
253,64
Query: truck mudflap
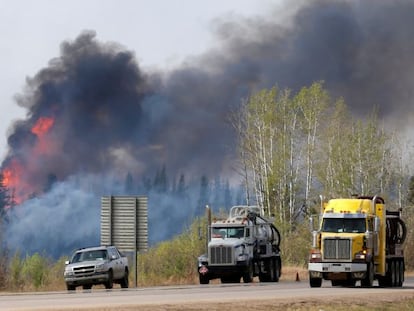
x,y
337,267
203,270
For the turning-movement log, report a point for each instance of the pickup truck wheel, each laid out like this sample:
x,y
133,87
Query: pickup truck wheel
x,y
70,287
125,281
110,283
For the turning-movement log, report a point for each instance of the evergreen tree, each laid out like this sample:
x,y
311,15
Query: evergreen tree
x,y
129,184
203,199
160,180
181,185
4,198
51,180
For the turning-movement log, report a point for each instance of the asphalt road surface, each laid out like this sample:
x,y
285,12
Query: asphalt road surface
x,y
176,295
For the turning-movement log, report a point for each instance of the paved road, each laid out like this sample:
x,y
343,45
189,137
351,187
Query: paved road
x,y
171,295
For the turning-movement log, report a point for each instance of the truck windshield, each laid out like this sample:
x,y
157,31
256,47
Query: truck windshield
x,y
90,256
228,232
350,225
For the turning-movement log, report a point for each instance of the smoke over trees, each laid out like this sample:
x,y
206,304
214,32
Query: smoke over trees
x,y
94,115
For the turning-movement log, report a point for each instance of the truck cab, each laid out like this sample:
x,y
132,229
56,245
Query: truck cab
x,y
350,244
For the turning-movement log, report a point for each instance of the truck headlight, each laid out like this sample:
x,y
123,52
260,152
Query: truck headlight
x,y
315,256
68,272
361,255
100,267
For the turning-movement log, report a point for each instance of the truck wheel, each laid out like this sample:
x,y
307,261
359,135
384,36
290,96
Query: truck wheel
x,y
393,274
401,273
386,281
267,276
248,275
276,274
315,282
110,283
203,279
125,280
70,287
369,278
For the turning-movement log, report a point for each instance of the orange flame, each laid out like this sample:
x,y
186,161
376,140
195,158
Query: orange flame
x,y
16,172
41,129
42,126
13,183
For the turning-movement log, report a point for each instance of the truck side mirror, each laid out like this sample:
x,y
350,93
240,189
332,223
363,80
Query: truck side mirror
x,y
377,223
200,233
314,223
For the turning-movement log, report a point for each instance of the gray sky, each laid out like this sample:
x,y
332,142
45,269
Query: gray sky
x,y
162,33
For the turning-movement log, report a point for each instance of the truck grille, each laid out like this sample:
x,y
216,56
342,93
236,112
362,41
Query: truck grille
x,y
221,255
337,248
84,271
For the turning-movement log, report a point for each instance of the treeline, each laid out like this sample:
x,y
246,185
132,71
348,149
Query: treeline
x,y
295,148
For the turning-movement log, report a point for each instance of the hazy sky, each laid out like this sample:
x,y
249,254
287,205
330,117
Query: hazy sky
x,y
161,32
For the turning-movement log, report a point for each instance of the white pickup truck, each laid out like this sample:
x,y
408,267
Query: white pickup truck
x,y
96,265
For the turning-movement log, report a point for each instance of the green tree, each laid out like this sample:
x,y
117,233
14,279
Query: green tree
x,y
35,269
313,103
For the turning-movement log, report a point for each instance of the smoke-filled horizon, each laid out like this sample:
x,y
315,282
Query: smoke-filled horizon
x,y
94,111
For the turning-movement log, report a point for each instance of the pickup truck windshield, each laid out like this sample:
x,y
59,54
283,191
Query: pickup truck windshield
x,y
90,256
350,225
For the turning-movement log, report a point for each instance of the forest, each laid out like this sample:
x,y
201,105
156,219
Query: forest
x,y
294,149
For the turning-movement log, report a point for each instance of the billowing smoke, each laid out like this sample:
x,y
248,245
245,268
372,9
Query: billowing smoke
x,y
94,112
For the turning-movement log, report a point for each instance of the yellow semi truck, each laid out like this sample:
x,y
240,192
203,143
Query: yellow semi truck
x,y
357,239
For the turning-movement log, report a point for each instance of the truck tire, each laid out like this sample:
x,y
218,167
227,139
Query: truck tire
x,y
248,274
393,273
203,279
315,282
125,280
276,274
368,281
386,280
269,274
402,268
110,283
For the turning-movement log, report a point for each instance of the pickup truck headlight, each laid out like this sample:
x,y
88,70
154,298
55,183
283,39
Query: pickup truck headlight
x,y
68,272
100,267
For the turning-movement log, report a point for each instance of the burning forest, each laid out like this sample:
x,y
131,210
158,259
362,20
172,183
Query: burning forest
x,y
98,124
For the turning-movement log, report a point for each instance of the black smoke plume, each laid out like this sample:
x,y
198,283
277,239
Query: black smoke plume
x,y
111,117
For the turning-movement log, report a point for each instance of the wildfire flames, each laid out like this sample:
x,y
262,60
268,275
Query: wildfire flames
x,y
14,172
